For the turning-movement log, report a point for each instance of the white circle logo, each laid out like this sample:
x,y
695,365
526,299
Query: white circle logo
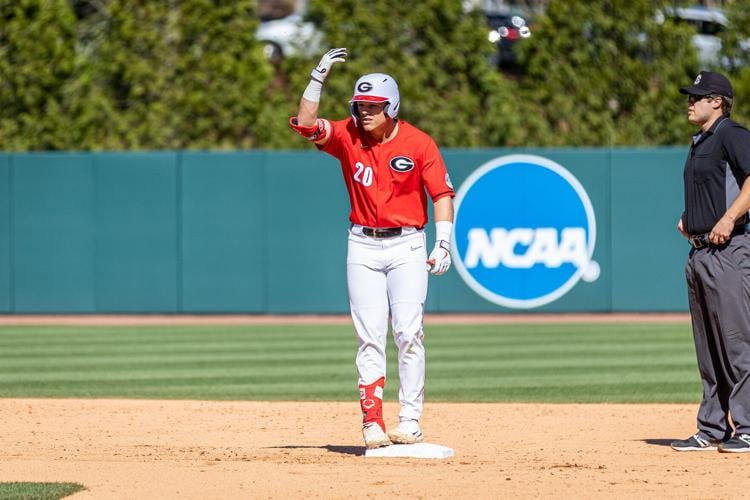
x,y
524,231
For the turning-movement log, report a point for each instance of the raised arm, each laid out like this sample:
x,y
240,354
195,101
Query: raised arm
x,y
306,122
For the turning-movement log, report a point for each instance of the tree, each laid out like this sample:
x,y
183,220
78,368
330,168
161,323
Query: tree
x,y
221,76
183,74
438,54
736,51
37,72
608,73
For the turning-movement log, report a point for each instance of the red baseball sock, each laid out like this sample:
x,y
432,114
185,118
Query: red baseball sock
x,y
371,401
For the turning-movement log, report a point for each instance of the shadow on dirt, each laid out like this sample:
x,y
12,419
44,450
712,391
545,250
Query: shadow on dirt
x,y
333,448
659,442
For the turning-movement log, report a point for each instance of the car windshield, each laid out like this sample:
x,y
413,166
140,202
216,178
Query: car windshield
x,y
498,20
702,27
270,10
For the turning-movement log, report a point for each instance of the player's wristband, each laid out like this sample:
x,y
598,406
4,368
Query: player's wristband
x,y
312,92
313,133
443,230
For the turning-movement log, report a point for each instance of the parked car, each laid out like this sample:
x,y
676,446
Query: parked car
x,y
286,32
506,31
708,24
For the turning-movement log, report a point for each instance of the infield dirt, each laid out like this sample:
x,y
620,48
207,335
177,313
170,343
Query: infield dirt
x,y
206,449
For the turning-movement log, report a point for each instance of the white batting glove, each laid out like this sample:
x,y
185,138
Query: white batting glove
x,y
440,258
320,73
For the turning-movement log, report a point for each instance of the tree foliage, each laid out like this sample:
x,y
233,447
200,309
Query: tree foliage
x,y
37,67
185,74
736,52
607,73
435,51
136,74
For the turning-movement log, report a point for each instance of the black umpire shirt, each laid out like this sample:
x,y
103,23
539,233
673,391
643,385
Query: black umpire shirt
x,y
716,167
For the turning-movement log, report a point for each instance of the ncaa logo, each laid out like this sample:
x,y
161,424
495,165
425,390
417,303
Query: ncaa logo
x,y
524,231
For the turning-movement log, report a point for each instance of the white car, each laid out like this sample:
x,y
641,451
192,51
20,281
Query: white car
x,y
290,35
708,24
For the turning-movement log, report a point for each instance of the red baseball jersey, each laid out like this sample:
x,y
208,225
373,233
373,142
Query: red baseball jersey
x,y
387,182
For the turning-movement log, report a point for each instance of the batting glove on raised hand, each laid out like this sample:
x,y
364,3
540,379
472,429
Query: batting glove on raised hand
x,y
440,258
320,73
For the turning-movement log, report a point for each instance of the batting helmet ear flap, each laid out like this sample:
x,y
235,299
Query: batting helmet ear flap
x,y
354,110
391,109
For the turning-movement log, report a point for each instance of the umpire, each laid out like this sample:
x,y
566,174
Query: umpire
x,y
715,222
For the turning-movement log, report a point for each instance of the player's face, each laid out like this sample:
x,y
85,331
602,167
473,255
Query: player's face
x,y
371,115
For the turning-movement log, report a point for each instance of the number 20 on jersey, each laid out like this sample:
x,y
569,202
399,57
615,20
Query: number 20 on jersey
x,y
363,174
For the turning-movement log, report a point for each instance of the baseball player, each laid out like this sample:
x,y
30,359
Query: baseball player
x,y
387,165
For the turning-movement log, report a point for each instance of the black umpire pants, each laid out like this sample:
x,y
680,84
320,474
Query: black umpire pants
x,y
718,281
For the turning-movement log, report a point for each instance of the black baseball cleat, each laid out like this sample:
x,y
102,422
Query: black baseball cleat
x,y
695,443
737,444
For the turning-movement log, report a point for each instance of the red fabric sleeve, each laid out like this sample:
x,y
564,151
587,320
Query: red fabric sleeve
x,y
435,174
334,145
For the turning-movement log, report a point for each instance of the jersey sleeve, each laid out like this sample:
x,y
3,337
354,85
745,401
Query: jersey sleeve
x,y
737,147
334,145
435,174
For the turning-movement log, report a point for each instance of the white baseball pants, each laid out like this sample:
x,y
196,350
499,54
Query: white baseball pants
x,y
389,274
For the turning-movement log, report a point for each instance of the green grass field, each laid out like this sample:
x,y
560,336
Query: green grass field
x,y
493,363
37,491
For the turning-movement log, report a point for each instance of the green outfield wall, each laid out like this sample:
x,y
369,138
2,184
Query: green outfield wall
x,y
265,232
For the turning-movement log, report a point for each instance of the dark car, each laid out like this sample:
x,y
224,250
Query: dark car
x,y
506,31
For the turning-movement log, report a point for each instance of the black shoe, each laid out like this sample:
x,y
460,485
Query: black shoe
x,y
738,444
697,443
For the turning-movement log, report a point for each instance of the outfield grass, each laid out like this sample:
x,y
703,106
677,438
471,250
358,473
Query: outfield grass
x,y
503,363
37,491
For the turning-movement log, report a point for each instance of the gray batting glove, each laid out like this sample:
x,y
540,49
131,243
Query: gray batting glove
x,y
440,258
320,73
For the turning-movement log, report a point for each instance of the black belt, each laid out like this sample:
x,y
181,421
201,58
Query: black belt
x,y
382,232
702,241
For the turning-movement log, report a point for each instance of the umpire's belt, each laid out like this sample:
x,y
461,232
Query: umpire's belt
x,y
382,232
702,241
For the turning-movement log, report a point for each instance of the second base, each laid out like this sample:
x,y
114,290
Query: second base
x,y
418,450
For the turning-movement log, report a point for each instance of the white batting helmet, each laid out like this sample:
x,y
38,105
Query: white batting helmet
x,y
376,87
